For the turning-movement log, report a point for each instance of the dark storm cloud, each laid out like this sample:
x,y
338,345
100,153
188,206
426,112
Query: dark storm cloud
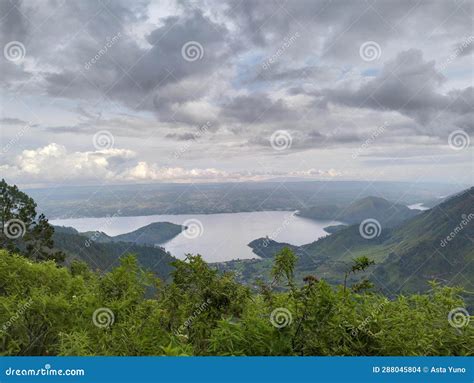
x,y
143,69
13,24
135,75
257,108
347,24
409,85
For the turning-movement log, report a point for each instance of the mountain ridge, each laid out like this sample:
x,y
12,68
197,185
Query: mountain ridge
x,y
387,213
406,256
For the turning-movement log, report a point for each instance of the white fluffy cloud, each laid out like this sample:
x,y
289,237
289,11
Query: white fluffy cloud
x,y
53,163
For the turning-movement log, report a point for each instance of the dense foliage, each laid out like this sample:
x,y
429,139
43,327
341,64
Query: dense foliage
x,y
51,310
21,229
51,307
406,256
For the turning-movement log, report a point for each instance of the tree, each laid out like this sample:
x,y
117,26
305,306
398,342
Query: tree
x,y
285,261
21,229
360,264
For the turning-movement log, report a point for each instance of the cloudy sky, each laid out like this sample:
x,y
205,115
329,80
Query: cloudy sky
x,y
180,91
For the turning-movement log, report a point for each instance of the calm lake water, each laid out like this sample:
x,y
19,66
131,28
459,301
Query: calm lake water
x,y
418,206
217,237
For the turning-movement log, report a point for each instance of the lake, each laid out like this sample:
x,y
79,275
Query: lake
x,y
418,206
217,237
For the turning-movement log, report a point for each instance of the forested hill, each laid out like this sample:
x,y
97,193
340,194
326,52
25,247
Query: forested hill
x,y
388,213
438,244
406,256
155,233
70,310
104,256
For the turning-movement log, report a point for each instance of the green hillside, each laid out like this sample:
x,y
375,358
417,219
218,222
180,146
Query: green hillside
x,y
389,214
152,234
420,249
155,233
111,304
406,256
104,256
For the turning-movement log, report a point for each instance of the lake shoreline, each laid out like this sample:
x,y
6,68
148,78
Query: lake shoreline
x,y
217,237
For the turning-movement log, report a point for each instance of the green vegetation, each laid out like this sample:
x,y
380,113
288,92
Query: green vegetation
x,y
51,306
101,252
103,256
406,256
387,213
22,229
334,228
51,310
153,234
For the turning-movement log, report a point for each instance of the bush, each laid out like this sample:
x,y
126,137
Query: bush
x,y
51,310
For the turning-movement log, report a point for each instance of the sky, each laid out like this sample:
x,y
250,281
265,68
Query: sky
x,y
210,91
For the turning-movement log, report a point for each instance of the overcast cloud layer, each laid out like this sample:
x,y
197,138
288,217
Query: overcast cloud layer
x,y
179,91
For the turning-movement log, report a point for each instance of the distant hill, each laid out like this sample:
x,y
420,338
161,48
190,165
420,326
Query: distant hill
x,y
152,234
160,198
104,256
155,233
389,214
406,256
421,250
101,251
334,228
266,248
